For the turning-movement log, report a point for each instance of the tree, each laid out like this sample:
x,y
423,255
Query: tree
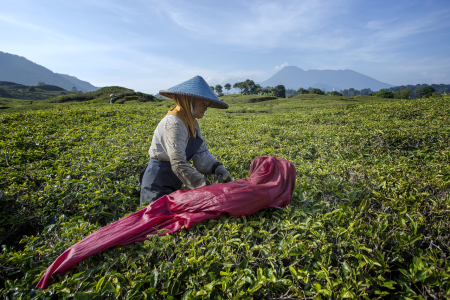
x,y
427,92
403,94
384,94
212,88
218,89
247,87
257,90
239,86
41,83
303,91
366,91
227,87
352,92
280,91
317,91
335,93
32,90
74,89
291,93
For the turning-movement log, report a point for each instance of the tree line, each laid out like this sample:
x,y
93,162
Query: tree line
x,y
248,87
397,92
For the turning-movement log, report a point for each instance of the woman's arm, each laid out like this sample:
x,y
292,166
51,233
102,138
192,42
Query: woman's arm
x,y
175,140
203,160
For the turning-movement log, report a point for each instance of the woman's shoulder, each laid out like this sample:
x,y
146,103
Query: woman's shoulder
x,y
171,121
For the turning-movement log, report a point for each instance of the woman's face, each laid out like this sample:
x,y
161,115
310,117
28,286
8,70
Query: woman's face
x,y
200,107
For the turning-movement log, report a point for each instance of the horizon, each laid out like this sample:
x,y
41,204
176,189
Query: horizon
x,y
149,46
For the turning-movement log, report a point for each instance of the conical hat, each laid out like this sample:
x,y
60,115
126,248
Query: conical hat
x,y
196,87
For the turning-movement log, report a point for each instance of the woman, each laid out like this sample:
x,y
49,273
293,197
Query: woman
x,y
178,139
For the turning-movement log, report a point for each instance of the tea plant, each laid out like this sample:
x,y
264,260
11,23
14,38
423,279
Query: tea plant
x,y
368,219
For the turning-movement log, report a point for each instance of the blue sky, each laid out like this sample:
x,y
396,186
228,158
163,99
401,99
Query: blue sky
x,y
153,45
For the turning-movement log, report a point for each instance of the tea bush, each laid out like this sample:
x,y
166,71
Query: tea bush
x,y
102,94
368,219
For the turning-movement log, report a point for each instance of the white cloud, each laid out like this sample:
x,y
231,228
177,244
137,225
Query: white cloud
x,y
277,68
33,27
259,25
149,45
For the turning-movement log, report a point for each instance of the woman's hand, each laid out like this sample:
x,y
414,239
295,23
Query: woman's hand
x,y
222,175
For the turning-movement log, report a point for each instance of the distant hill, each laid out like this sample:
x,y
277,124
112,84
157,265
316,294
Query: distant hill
x,y
85,86
20,91
18,69
294,78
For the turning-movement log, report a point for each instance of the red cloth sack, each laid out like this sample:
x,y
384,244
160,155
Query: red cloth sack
x,y
270,184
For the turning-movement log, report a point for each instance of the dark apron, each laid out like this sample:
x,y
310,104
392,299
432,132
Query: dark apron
x,y
158,179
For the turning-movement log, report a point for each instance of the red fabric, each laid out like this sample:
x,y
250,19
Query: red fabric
x,y
270,184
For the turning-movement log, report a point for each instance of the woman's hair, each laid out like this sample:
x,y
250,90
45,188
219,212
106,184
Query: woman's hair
x,y
192,106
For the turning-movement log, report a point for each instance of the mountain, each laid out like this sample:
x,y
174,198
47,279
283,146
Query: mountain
x,y
18,69
85,86
294,78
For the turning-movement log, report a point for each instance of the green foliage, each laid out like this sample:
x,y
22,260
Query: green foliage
x,y
218,89
247,87
103,94
384,94
303,91
317,91
335,93
426,92
368,220
24,92
53,88
403,94
280,91
300,91
5,94
439,88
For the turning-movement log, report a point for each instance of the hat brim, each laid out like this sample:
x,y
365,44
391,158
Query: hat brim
x,y
215,103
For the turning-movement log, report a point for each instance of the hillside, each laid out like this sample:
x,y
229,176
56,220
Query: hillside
x,y
53,97
294,78
84,85
18,69
368,217
24,92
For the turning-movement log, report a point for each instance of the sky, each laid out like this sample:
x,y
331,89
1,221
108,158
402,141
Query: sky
x,y
149,45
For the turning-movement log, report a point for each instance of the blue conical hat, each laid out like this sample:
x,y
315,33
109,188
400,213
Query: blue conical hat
x,y
197,88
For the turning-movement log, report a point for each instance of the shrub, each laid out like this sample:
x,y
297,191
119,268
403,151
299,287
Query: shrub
x,y
384,94
335,93
260,99
146,98
427,92
403,94
367,218
74,98
317,91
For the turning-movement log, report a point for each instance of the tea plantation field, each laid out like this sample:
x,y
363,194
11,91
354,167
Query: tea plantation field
x,y
369,217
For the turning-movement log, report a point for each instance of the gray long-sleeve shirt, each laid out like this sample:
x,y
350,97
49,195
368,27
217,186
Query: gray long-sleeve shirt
x,y
169,143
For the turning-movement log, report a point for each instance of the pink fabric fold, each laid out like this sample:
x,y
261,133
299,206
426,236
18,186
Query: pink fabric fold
x,y
270,184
